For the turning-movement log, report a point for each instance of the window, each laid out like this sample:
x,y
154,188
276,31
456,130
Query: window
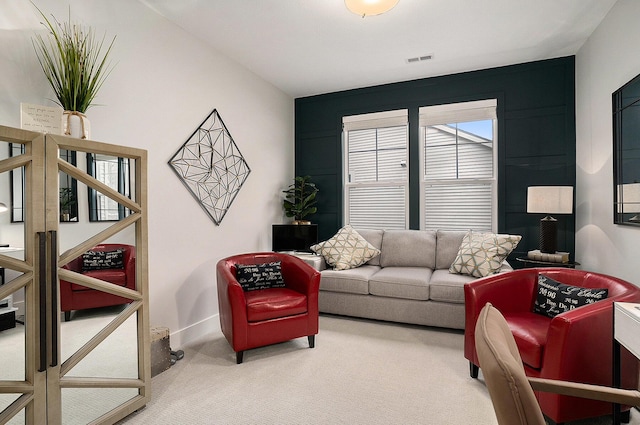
x,y
376,174
114,172
458,162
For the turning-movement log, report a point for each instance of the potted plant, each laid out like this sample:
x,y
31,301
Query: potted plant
x,y
300,199
67,201
75,66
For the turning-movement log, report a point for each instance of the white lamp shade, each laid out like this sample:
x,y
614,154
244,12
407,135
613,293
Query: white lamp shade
x,y
370,7
629,198
550,199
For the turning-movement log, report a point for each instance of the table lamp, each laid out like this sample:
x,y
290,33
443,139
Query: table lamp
x,y
549,200
629,200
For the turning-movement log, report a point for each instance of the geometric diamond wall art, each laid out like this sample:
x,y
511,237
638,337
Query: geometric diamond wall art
x,y
211,166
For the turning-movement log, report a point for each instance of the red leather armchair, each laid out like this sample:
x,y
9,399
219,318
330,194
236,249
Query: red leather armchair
x,y
78,297
267,316
573,346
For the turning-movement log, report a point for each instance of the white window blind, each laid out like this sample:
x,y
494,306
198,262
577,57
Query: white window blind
x,y
458,163
376,171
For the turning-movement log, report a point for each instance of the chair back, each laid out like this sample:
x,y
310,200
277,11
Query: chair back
x,y
513,398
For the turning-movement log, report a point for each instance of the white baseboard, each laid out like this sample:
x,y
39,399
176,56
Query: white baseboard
x,y
194,332
20,306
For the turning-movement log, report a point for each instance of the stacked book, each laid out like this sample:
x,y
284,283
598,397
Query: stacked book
x,y
554,257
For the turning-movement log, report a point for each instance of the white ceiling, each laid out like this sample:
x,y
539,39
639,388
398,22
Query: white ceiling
x,y
307,47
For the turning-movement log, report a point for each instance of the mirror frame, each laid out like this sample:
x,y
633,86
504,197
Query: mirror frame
x,y
16,186
626,154
123,186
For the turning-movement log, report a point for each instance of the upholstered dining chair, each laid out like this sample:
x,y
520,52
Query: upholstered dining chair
x,y
511,391
266,298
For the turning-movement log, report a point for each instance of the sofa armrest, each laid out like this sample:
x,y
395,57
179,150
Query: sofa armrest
x,y
505,267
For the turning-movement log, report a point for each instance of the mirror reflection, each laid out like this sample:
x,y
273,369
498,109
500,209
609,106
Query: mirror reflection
x,y
117,355
16,181
115,172
68,190
85,311
13,334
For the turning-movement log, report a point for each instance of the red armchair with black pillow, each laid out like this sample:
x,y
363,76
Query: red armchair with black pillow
x,y
266,298
575,345
113,263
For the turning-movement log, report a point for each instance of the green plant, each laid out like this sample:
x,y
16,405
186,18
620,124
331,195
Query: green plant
x,y
300,198
72,61
67,200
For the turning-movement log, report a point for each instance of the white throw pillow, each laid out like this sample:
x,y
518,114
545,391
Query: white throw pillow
x,y
482,254
346,249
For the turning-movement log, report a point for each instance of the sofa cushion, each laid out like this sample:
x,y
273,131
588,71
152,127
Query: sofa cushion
x,y
265,304
448,287
554,297
530,332
374,237
401,282
102,260
253,277
353,281
408,248
447,245
482,254
346,249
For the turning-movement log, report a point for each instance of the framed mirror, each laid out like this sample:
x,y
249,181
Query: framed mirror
x,y
16,184
115,172
68,188
626,153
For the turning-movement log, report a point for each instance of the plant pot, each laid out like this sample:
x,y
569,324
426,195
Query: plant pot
x,y
301,222
76,124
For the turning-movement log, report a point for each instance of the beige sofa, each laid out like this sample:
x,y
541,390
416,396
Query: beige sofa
x,y
408,282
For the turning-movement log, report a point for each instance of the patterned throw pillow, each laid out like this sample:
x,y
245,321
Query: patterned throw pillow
x,y
102,260
482,254
346,249
260,276
554,297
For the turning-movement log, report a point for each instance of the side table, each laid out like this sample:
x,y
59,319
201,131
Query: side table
x,y
626,325
8,311
529,263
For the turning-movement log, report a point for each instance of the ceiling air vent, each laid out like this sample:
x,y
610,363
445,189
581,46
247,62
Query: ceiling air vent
x,y
420,58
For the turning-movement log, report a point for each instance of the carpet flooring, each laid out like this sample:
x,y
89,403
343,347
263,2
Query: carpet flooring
x,y
360,372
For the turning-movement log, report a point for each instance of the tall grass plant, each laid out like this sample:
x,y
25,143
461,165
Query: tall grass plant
x,y
73,60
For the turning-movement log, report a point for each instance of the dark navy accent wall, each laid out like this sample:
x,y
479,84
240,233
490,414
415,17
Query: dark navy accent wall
x,y
536,138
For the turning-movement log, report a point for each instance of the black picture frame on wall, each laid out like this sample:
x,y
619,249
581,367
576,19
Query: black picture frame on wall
x,y
626,153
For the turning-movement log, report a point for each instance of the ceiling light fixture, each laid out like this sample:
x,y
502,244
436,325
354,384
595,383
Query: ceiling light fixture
x,y
370,7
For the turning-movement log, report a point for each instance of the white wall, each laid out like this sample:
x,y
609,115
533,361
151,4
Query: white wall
x,y
162,87
606,61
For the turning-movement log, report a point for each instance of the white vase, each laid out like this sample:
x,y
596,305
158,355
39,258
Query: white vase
x,y
76,124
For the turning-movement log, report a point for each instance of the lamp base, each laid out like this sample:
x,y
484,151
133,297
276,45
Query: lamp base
x,y
548,235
